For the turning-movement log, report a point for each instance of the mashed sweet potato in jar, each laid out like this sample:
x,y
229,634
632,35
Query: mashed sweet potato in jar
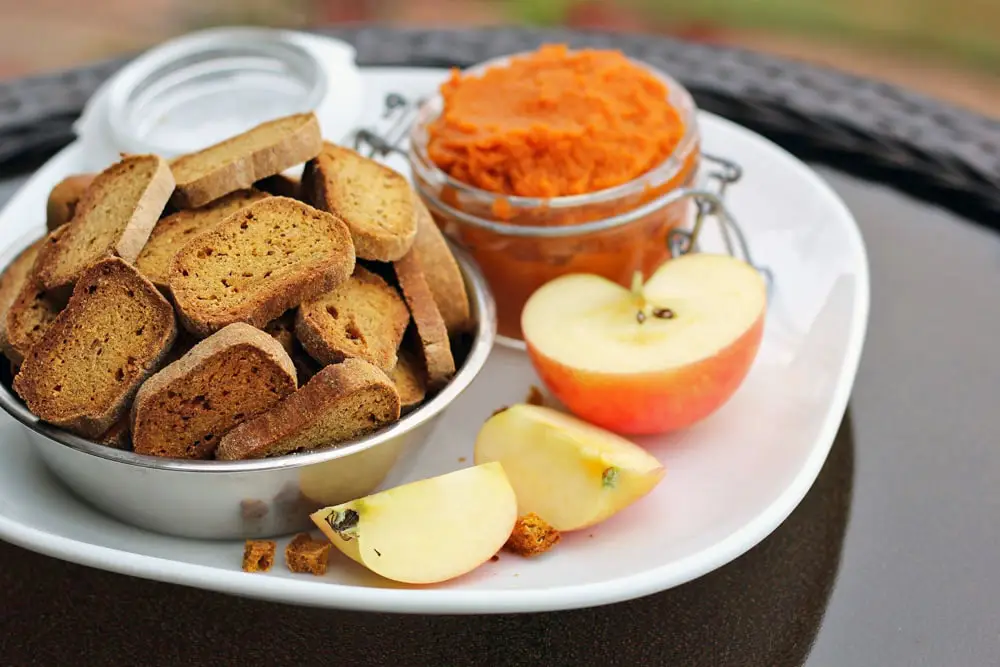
x,y
552,124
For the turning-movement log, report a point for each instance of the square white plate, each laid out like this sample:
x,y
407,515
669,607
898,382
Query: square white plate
x,y
730,480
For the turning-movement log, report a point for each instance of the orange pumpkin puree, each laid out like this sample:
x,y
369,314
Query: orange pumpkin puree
x,y
554,122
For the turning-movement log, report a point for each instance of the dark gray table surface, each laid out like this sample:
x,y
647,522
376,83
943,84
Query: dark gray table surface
x,y
914,476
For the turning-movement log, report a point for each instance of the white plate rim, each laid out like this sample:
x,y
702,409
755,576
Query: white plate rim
x,y
471,601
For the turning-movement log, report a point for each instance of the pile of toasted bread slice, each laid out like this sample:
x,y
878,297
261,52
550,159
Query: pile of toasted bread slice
x,y
212,307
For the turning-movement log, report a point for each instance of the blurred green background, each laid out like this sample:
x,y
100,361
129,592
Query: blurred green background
x,y
946,48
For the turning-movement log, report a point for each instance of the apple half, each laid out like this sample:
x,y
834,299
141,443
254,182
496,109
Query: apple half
x,y
570,473
427,531
659,357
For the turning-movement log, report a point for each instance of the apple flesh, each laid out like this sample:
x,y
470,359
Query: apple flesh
x,y
570,473
427,531
658,358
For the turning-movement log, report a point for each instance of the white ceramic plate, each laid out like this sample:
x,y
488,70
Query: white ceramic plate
x,y
730,480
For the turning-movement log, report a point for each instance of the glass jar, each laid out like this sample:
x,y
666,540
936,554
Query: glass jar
x,y
520,243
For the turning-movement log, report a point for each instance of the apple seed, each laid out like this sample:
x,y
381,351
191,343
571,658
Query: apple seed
x,y
609,478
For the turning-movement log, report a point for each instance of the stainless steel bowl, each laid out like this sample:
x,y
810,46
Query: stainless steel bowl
x,y
246,499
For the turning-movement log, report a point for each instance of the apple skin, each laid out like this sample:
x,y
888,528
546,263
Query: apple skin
x,y
654,402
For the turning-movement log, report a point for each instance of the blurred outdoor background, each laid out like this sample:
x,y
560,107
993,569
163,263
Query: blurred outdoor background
x,y
946,48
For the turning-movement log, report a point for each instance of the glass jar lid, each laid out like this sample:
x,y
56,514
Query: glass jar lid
x,y
207,86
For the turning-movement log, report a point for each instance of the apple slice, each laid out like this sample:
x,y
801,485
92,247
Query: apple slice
x,y
654,359
566,471
427,531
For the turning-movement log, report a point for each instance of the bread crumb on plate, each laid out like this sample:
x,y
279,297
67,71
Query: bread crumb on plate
x,y
532,536
307,555
535,396
258,555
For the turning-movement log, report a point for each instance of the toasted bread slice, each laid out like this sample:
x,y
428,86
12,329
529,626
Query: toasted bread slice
x,y
231,376
280,185
63,199
182,345
362,317
258,263
282,329
305,366
174,232
408,378
340,403
383,270
239,162
16,274
113,334
27,320
113,219
31,311
444,277
374,201
118,436
435,346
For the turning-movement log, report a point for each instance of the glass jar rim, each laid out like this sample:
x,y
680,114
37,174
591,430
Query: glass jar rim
x,y
679,97
180,60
